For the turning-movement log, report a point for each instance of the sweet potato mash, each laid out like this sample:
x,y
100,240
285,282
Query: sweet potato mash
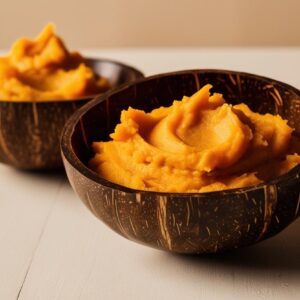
x,y
198,144
43,69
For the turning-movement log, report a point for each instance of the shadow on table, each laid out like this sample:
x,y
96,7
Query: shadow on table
x,y
280,253
267,270
59,174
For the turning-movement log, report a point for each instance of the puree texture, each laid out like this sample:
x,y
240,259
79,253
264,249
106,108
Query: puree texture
x,y
198,144
43,69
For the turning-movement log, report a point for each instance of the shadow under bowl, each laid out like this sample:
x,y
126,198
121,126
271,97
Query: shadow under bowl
x,y
184,222
30,131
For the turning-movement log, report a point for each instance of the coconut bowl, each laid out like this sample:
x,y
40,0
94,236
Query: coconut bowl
x,y
30,131
184,222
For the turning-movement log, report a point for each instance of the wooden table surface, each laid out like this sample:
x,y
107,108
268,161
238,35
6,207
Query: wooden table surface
x,y
52,247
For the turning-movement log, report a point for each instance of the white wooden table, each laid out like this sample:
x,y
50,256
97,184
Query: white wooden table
x,y
51,247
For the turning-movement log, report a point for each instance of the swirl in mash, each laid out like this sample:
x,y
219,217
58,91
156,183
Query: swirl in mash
x,y
43,69
198,144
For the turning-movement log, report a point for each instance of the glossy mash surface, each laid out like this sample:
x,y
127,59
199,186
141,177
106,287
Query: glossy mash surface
x,y
43,69
198,144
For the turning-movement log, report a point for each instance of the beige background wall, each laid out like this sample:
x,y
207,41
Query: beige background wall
x,y
115,23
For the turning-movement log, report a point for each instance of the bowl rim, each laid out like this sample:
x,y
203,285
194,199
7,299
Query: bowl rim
x,y
69,155
88,59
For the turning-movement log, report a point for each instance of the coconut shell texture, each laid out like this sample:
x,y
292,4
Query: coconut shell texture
x,y
30,131
180,222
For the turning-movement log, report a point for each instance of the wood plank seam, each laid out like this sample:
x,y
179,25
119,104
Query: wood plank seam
x,y
40,236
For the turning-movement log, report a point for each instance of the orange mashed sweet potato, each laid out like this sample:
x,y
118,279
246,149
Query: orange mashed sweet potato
x,y
198,144
43,69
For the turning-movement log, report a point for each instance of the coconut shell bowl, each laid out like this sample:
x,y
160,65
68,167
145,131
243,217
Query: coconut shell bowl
x,y
184,222
30,131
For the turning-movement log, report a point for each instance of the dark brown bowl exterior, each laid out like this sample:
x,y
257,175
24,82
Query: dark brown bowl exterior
x,y
30,131
180,222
